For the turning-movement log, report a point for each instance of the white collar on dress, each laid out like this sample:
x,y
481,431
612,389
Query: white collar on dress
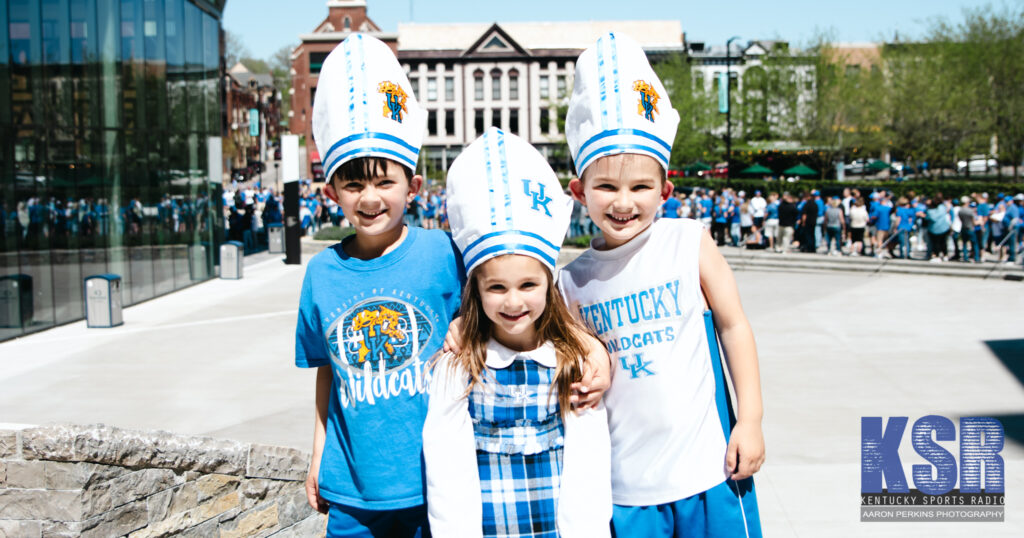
x,y
499,356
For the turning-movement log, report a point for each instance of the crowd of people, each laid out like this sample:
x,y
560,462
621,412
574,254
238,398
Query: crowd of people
x,y
970,228
42,218
973,228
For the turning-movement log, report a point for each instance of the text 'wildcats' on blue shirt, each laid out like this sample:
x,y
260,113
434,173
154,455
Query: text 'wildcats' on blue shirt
x,y
650,304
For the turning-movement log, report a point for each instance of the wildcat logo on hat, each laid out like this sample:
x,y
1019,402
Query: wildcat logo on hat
x,y
395,104
648,103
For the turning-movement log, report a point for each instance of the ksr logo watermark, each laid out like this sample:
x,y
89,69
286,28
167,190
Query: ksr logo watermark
x,y
935,496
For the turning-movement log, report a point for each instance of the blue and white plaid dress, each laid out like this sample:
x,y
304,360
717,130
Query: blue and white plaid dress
x,y
519,436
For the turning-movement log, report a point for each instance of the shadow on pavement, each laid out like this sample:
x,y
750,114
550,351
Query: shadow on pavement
x,y
1011,354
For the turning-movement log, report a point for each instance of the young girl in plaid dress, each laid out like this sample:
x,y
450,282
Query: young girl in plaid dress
x,y
506,454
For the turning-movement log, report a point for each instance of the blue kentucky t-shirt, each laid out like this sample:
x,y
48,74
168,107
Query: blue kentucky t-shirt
x,y
377,323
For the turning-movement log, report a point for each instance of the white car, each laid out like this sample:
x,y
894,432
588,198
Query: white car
x,y
979,164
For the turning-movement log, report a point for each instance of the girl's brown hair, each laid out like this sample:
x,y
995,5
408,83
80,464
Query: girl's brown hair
x,y
554,325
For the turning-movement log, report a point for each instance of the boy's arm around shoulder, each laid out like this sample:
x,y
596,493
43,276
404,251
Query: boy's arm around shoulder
x,y
454,505
597,374
745,452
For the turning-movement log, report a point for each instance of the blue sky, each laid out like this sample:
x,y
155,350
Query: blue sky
x,y
266,25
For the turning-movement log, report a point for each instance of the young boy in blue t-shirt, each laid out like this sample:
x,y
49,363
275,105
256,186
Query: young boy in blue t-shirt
x,y
375,307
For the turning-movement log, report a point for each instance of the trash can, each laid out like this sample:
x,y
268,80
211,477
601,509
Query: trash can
x,y
275,238
103,301
197,264
15,300
231,260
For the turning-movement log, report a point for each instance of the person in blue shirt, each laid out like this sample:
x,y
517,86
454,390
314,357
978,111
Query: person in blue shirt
x,y
819,223
1015,223
670,209
771,219
720,219
367,322
985,231
904,220
883,224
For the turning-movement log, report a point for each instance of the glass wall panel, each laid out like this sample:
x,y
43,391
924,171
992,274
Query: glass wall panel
x,y
105,110
5,76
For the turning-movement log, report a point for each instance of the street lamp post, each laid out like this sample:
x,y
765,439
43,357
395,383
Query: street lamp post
x,y
728,104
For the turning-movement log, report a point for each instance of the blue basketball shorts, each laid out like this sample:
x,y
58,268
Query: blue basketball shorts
x,y
350,522
727,510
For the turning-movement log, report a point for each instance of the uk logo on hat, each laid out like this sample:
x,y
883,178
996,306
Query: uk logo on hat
x,y
364,108
503,198
618,105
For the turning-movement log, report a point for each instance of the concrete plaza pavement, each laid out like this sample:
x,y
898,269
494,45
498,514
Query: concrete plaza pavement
x,y
216,359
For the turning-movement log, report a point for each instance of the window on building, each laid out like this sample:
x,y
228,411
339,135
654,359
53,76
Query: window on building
x,y
432,89
346,24
545,92
449,122
432,122
478,121
415,83
545,121
496,118
513,121
449,88
316,61
496,84
561,86
478,85
513,84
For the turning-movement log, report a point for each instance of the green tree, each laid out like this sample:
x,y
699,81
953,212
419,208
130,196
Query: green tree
x,y
846,116
698,112
988,47
280,67
234,48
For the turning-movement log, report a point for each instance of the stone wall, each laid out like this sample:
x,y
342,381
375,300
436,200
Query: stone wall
x,y
96,480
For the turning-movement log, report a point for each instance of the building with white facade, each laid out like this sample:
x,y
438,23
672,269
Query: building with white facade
x,y
470,76
516,76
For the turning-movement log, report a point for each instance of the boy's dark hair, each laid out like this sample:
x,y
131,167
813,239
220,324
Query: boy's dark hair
x,y
364,168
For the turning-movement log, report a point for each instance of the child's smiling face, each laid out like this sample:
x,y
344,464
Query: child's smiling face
x,y
622,194
513,293
375,206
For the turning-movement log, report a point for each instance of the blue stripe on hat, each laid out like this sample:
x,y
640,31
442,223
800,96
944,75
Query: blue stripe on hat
x,y
469,248
490,174
615,79
509,248
379,136
602,85
503,159
362,72
349,72
610,150
371,151
617,132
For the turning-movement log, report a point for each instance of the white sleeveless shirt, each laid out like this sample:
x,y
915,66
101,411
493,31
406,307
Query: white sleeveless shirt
x,y
643,300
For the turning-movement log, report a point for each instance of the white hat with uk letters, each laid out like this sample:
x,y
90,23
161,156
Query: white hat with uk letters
x,y
503,198
365,107
618,105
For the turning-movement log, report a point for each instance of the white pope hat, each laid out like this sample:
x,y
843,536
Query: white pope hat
x,y
503,198
364,106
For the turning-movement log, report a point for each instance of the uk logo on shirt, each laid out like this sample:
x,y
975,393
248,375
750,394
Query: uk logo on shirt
x,y
376,345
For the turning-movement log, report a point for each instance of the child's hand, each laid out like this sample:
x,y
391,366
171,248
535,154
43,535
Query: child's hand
x,y
452,342
588,391
746,447
313,492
